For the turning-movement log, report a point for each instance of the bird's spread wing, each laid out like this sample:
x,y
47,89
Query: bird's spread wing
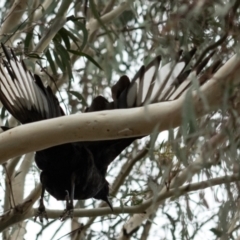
x,y
151,84
25,97
23,93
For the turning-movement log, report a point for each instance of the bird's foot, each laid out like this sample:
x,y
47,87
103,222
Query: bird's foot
x,y
41,213
68,212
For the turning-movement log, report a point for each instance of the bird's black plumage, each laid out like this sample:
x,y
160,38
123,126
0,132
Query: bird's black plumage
x,y
77,170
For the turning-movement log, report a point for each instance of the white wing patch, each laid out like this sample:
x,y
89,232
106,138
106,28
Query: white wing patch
x,y
145,84
183,86
11,91
165,78
170,81
154,84
20,88
131,95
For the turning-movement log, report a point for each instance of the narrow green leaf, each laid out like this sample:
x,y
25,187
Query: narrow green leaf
x,y
57,38
50,9
79,97
96,15
3,111
63,52
217,232
58,61
86,56
65,37
85,34
80,26
189,116
28,39
74,19
65,59
51,62
73,37
17,173
34,55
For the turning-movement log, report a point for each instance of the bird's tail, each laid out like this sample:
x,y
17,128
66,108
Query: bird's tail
x,y
23,93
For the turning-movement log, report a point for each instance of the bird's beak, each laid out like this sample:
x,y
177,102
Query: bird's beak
x,y
109,203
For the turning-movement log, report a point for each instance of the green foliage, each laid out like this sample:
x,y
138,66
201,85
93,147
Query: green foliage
x,y
85,61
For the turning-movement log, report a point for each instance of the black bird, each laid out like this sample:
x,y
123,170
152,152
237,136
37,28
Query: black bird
x,y
77,170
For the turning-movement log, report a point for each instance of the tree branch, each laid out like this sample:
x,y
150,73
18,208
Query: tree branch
x,y
145,208
22,211
41,9
94,24
57,24
14,16
114,124
15,215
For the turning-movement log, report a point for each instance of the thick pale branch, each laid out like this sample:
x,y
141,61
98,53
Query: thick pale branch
x,y
41,9
10,168
114,124
89,127
13,17
15,216
109,6
18,181
20,212
57,24
110,16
